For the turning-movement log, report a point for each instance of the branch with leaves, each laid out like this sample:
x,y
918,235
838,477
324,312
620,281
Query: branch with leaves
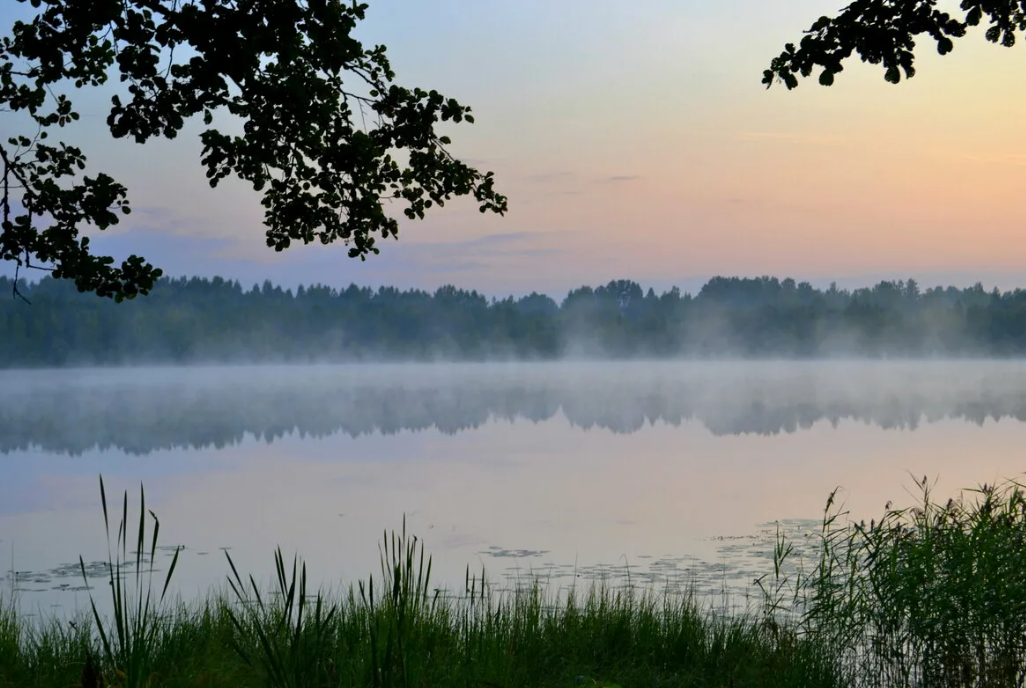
x,y
289,70
884,32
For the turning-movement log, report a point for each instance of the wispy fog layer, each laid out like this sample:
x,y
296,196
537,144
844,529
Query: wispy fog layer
x,y
197,321
143,410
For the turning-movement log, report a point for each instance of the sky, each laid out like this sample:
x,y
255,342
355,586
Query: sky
x,y
635,141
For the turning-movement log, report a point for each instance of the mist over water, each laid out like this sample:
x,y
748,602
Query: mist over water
x,y
142,410
551,468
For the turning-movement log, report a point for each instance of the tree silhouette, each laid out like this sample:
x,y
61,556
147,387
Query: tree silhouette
x,y
884,32
328,137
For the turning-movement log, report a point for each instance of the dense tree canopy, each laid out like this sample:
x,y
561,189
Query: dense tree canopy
x,y
884,32
199,320
328,136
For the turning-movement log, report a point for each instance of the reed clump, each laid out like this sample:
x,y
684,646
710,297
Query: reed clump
x,y
930,595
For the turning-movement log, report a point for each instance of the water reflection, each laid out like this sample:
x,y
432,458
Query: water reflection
x,y
145,410
492,465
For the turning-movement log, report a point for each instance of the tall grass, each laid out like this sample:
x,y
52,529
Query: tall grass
x,y
391,631
931,595
129,640
282,638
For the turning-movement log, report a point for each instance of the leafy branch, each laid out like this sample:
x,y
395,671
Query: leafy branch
x,y
884,32
282,67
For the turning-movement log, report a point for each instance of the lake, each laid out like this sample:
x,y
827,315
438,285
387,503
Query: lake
x,y
568,471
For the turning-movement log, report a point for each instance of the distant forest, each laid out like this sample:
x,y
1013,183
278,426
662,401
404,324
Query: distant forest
x,y
217,320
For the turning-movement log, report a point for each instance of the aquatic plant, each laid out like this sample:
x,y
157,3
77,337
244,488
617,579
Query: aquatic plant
x,y
282,638
930,595
128,640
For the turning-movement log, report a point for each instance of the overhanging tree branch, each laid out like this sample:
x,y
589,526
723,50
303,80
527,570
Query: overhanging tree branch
x,y
279,65
884,32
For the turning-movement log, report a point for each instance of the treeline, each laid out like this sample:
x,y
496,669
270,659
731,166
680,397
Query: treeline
x,y
200,320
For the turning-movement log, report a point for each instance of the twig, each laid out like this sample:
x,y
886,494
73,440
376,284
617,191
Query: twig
x,y
15,292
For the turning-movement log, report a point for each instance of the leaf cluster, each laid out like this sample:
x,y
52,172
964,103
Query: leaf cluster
x,y
289,70
884,32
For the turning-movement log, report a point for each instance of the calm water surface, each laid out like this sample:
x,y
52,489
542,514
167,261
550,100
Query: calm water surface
x,y
564,470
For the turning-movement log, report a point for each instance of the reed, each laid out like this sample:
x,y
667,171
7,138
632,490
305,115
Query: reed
x,y
930,595
129,640
395,630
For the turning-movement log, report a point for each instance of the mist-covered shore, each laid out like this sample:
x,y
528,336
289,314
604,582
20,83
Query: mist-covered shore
x,y
195,321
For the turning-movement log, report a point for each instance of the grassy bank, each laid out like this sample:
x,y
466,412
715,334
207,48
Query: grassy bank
x,y
603,639
930,596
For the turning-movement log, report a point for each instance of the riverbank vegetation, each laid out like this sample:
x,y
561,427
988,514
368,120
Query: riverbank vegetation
x,y
212,321
933,595
930,595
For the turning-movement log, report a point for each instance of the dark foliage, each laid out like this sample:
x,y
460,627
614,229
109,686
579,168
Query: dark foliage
x,y
199,320
322,121
884,32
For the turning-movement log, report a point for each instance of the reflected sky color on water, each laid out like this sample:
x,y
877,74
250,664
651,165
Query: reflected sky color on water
x,y
554,469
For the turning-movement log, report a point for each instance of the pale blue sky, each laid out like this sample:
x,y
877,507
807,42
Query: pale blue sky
x,y
635,141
